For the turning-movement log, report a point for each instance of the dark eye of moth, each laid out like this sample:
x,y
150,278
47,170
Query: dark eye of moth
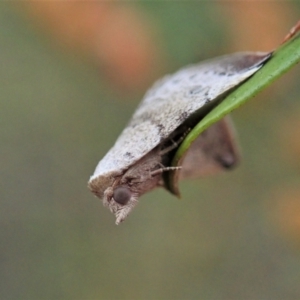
x,y
122,195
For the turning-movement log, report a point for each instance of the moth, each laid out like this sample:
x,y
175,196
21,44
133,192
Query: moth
x,y
142,155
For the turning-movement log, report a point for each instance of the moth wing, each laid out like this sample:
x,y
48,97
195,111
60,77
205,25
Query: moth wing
x,y
213,151
174,98
171,101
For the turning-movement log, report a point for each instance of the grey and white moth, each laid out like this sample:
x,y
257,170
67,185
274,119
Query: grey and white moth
x,y
143,152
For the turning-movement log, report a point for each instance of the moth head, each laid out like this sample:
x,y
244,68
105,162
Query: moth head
x,y
120,201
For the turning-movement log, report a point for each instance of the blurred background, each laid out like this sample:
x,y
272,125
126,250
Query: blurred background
x,y
72,74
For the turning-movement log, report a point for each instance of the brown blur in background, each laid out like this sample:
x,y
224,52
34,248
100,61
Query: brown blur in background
x,y
71,75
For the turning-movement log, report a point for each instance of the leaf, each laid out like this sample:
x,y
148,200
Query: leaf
x,y
283,59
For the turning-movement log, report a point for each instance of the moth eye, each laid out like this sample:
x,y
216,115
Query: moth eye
x,y
122,195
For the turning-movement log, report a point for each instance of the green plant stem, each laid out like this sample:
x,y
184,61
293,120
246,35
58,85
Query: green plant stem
x,y
281,61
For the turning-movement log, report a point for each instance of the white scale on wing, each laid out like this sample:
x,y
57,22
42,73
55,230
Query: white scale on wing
x,y
172,100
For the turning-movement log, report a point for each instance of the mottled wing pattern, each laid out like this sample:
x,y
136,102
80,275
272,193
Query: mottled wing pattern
x,y
133,143
172,100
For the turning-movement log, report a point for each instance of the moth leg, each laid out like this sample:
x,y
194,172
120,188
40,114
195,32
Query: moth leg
x,y
161,183
164,169
134,179
174,144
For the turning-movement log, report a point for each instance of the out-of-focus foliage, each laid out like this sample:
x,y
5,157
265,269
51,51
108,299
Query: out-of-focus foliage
x,y
233,236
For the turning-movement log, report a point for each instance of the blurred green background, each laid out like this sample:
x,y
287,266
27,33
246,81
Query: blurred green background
x,y
233,236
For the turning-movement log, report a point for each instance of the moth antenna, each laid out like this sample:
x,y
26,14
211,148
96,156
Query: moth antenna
x,y
164,169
